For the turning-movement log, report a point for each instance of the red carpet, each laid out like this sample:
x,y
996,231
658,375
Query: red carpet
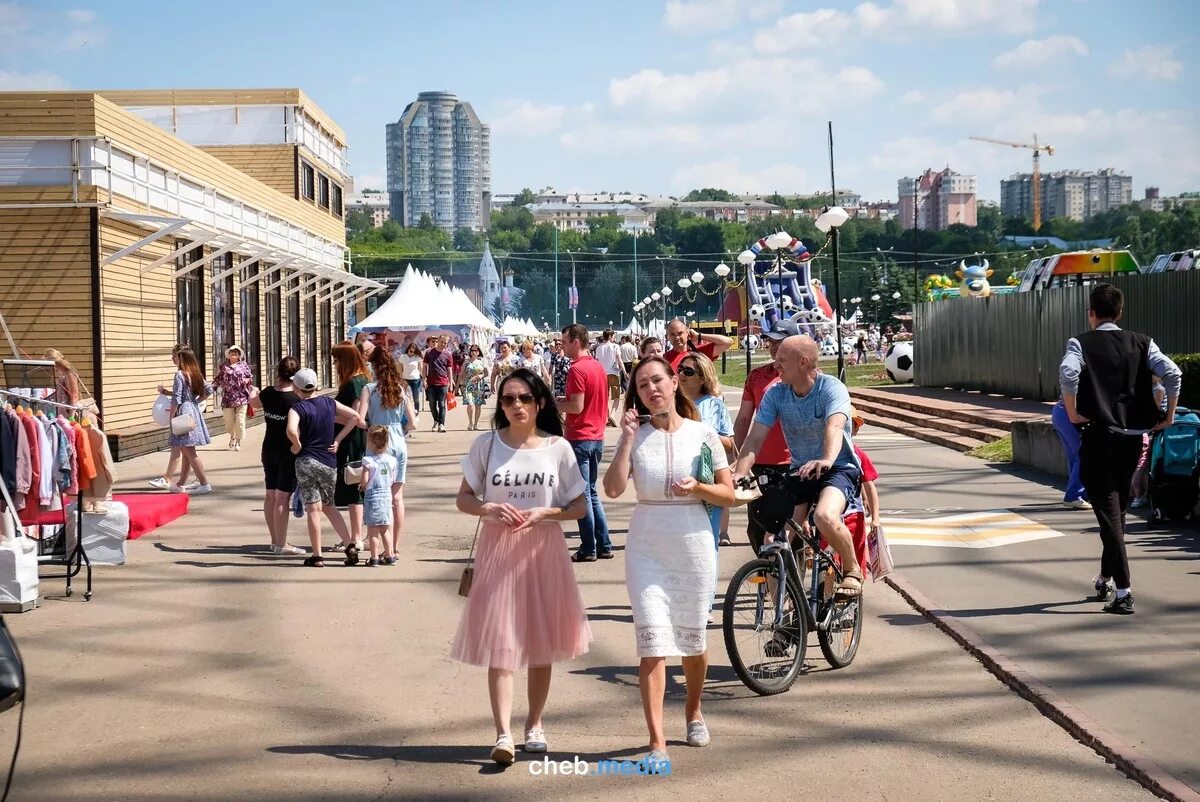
x,y
148,511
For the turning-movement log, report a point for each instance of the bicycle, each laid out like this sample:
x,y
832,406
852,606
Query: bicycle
x,y
766,632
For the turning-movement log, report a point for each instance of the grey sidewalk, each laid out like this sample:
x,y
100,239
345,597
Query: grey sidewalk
x,y
207,669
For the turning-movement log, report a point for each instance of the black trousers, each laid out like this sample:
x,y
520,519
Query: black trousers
x,y
437,402
1107,463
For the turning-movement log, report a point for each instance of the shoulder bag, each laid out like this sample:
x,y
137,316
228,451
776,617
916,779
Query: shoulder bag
x,y
468,574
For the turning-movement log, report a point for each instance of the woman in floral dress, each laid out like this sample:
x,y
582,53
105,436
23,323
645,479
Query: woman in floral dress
x,y
473,379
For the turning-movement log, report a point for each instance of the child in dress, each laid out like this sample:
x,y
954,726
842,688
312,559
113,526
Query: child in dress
x,y
379,470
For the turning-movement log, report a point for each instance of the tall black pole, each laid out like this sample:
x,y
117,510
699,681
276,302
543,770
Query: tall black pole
x,y
837,285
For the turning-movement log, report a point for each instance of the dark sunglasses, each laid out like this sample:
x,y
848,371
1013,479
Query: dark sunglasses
x,y
688,372
511,400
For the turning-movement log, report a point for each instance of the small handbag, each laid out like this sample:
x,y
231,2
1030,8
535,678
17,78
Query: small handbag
x,y
468,574
704,473
352,473
183,424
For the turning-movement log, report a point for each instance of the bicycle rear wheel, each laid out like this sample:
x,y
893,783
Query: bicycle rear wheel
x,y
839,641
766,658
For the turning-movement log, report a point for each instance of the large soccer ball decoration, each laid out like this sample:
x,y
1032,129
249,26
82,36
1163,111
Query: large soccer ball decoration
x,y
757,312
899,363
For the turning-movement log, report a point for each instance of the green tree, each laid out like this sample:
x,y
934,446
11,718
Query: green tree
x,y
667,224
426,222
467,240
989,221
358,223
710,194
513,218
524,197
391,230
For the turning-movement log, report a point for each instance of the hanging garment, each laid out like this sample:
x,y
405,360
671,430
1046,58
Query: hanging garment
x,y
35,459
8,453
24,466
46,455
62,456
87,463
105,474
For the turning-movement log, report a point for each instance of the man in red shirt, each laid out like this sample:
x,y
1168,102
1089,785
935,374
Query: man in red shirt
x,y
586,409
436,367
683,341
774,457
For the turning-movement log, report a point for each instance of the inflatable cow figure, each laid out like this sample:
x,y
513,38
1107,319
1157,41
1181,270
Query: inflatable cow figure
x,y
974,280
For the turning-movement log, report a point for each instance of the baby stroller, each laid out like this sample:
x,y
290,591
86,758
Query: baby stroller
x,y
1175,469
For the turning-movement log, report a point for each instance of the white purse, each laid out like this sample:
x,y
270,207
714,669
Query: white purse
x,y
352,473
182,424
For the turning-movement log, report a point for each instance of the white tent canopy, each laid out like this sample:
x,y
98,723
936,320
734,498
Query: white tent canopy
x,y
419,302
515,327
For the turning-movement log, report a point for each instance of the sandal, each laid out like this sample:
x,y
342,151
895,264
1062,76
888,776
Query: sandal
x,y
315,561
850,586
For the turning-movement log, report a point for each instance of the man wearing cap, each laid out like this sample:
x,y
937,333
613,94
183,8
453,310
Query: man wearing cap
x,y
234,382
683,341
774,457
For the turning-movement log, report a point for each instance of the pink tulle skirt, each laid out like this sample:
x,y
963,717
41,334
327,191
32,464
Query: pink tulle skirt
x,y
525,608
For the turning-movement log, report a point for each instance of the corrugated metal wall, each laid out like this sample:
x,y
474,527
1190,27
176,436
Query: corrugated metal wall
x,y
1012,344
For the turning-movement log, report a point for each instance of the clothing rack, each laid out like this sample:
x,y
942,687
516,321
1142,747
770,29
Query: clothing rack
x,y
74,561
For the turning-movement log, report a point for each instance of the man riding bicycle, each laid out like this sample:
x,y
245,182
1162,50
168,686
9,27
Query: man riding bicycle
x,y
813,410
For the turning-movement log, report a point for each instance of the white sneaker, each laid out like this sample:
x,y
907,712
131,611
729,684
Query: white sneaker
x,y
159,483
200,490
1137,502
1078,504
287,548
174,488
190,486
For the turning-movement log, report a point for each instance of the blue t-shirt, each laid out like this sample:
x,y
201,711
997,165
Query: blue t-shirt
x,y
713,411
802,418
317,428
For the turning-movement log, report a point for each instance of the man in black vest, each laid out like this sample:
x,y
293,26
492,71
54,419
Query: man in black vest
x,y
1108,393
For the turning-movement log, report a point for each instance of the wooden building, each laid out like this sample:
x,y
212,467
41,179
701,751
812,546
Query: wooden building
x,y
133,220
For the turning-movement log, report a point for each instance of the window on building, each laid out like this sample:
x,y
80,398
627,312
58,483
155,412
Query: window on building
x,y
250,314
293,319
323,191
308,181
339,320
274,304
336,205
223,323
310,337
189,305
326,340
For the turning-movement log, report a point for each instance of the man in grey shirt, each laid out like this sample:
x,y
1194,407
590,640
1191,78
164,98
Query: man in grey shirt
x,y
1108,393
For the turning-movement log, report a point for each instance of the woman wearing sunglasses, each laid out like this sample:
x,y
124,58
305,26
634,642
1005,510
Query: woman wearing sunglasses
x,y
698,381
524,609
669,556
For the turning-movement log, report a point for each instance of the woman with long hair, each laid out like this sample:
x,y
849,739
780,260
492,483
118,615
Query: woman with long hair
x,y
410,366
351,442
389,404
698,380
69,388
524,608
473,379
278,461
189,392
669,555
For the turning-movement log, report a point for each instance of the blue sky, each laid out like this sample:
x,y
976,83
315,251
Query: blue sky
x,y
666,96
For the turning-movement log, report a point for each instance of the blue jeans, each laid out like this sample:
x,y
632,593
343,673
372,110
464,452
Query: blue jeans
x,y
1070,441
593,527
415,386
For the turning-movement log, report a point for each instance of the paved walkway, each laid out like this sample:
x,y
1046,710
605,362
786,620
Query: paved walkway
x,y
1001,409
205,668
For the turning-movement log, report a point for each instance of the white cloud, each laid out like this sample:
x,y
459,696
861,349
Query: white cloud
x,y
729,174
530,119
987,105
898,19
1034,53
706,16
745,83
81,16
1153,62
615,137
26,81
913,96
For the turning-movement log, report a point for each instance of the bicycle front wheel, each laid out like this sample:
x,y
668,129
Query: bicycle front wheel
x,y
766,657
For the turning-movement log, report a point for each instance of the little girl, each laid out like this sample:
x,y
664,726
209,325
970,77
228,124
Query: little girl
x,y
379,471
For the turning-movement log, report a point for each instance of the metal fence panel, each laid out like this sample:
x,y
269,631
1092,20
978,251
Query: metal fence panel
x,y
1012,344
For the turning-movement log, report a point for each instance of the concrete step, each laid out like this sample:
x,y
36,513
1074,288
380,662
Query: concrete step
x,y
938,437
963,412
986,433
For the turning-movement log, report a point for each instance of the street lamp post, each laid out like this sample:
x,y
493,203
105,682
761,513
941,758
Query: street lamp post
x,y
722,270
574,304
557,319
828,223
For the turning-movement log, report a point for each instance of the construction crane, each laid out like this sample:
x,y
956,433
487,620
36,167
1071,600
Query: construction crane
x,y
1037,172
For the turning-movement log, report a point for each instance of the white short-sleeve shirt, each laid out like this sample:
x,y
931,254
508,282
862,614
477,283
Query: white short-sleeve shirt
x,y
547,476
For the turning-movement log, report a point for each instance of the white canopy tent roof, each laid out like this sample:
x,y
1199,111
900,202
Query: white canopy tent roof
x,y
515,327
419,302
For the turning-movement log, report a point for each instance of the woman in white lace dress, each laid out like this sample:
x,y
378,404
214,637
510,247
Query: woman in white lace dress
x,y
669,554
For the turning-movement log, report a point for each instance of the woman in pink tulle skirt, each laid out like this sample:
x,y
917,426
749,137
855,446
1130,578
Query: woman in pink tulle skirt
x,y
524,609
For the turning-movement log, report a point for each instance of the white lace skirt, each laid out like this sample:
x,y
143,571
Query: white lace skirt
x,y
669,573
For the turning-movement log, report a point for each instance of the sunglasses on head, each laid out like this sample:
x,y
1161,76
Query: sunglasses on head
x,y
688,372
509,400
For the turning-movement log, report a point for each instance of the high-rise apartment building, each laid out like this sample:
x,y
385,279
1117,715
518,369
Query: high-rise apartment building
x,y
942,199
1077,194
439,163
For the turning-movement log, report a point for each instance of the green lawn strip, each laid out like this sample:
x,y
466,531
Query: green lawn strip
x,y
998,451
